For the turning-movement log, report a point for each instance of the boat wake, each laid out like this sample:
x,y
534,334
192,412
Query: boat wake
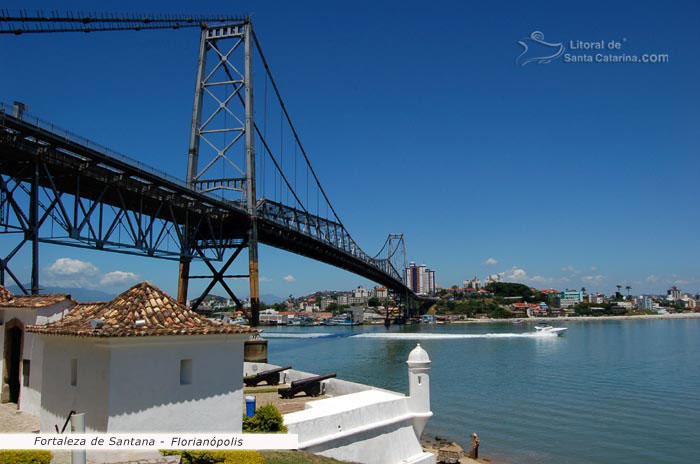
x,y
295,335
435,336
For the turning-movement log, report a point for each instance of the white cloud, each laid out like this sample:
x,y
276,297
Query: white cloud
x,y
289,278
652,278
265,279
118,277
491,261
515,274
70,272
70,266
594,278
570,270
518,274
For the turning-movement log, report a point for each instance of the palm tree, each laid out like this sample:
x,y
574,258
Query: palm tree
x,y
618,295
628,288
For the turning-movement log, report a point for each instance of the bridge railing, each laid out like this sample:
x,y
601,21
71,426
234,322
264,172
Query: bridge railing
x,y
330,232
325,230
70,136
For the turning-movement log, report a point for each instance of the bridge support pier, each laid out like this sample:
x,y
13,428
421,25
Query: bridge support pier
x,y
253,275
216,277
34,228
183,281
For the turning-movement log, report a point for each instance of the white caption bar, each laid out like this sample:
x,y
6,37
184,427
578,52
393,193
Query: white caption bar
x,y
148,441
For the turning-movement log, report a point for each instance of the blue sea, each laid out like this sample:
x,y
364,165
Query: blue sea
x,y
604,392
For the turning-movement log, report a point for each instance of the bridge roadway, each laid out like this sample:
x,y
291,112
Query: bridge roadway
x,y
64,163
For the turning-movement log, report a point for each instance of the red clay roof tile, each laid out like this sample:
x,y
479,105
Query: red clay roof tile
x,y
161,315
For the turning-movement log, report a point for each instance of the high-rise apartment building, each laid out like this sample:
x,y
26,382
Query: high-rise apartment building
x,y
420,279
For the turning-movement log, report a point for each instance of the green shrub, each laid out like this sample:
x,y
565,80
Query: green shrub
x,y
215,457
25,457
267,419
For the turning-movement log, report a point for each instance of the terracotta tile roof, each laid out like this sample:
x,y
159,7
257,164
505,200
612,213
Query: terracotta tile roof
x,y
31,301
5,294
157,313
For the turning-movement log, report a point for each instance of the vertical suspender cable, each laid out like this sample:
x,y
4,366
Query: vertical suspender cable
x,y
291,126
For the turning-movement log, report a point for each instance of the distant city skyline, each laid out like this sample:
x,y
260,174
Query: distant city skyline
x,y
554,174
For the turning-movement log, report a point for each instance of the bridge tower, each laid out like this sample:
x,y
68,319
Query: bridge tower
x,y
224,96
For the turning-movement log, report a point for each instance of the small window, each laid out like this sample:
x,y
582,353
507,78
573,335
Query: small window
x,y
25,372
73,372
419,380
185,371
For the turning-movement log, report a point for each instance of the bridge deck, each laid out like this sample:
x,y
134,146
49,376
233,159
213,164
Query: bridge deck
x,y
68,165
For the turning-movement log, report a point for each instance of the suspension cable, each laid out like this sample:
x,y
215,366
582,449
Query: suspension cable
x,y
291,125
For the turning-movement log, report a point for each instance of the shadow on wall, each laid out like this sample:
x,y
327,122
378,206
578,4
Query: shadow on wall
x,y
107,382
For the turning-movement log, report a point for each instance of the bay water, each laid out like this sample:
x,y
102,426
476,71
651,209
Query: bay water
x,y
604,392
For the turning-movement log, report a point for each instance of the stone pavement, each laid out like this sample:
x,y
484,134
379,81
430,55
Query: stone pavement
x,y
14,421
267,394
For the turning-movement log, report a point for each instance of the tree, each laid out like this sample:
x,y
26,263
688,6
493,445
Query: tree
x,y
508,289
331,308
373,302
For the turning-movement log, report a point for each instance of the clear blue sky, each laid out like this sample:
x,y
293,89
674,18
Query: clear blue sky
x,y
418,120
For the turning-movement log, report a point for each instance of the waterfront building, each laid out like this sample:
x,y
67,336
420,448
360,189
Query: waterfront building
x,y
673,294
645,303
142,363
360,292
380,292
22,356
357,313
570,298
420,279
627,305
326,302
688,301
322,316
309,307
272,317
342,299
430,290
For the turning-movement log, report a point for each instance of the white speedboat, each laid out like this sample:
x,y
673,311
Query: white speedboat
x,y
546,328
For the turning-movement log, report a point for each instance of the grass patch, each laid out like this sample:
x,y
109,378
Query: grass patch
x,y
295,457
243,457
25,457
263,390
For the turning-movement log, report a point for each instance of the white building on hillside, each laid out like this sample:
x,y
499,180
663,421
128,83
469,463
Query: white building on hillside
x,y
142,363
380,292
645,303
21,363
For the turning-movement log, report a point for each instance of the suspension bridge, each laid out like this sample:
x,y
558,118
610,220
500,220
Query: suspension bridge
x,y
249,179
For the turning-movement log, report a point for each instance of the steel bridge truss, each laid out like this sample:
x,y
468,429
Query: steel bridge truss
x,y
59,188
54,189
327,231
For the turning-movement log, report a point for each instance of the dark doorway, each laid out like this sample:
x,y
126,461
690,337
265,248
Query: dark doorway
x,y
13,346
